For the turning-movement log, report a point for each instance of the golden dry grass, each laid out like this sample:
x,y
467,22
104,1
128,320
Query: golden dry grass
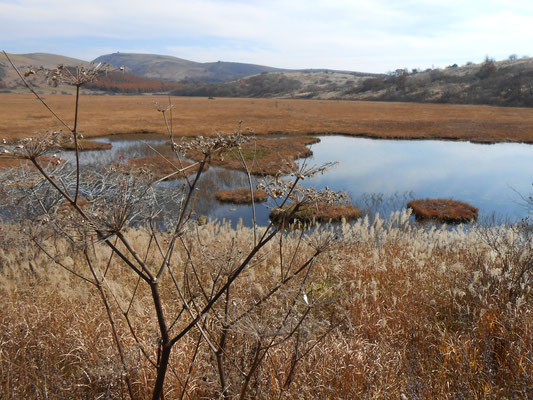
x,y
322,212
443,210
241,196
425,314
21,115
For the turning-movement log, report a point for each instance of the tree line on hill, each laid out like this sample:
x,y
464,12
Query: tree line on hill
x,y
262,85
509,85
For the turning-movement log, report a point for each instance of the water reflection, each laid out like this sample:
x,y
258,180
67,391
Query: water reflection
x,y
487,176
123,149
378,174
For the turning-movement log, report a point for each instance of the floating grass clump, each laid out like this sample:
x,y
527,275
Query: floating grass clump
x,y
309,213
443,210
263,156
241,196
160,167
86,145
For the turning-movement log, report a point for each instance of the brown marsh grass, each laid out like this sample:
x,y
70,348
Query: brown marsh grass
x,y
241,196
417,313
21,115
160,167
263,156
443,210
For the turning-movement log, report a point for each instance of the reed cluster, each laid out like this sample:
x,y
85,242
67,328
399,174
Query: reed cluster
x,y
397,310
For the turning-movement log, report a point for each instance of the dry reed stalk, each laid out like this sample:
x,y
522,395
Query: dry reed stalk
x,y
417,313
320,212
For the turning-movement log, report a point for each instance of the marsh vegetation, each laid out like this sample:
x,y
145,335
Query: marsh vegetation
x,y
102,299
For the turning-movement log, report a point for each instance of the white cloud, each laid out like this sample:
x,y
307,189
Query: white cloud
x,y
343,34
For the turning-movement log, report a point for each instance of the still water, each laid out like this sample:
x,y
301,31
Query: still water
x,y
380,174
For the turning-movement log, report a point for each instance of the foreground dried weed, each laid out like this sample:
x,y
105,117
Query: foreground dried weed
x,y
397,311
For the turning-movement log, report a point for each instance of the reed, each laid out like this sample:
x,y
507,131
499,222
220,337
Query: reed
x,y
411,312
312,213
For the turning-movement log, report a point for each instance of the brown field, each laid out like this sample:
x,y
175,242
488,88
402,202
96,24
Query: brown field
x,y
443,210
21,115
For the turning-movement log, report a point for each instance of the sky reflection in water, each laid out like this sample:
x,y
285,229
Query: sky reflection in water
x,y
487,176
490,177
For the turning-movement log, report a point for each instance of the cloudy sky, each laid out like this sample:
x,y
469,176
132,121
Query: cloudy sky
x,y
357,35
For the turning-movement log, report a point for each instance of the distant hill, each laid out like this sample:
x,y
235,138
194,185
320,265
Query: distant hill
x,y
120,82
46,60
507,83
177,69
114,81
295,84
9,79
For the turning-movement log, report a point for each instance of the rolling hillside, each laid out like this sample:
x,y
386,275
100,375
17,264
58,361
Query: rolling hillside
x,y
508,82
176,69
9,79
114,81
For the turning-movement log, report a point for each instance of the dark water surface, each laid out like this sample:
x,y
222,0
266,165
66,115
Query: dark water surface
x,y
380,174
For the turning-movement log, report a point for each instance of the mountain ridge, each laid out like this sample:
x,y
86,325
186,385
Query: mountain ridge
x,y
506,82
164,67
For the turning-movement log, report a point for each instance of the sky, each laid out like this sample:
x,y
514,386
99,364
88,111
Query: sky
x,y
356,35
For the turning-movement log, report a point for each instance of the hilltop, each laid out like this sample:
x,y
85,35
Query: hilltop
x,y
170,68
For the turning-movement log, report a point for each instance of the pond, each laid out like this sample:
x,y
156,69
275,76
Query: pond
x,y
379,174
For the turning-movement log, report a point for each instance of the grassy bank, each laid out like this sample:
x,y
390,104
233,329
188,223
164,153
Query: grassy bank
x,y
396,311
21,115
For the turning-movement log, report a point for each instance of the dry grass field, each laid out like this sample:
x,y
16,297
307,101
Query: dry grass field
x,y
424,314
22,115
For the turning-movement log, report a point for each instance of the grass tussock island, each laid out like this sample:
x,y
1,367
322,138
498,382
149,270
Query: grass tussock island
x,y
241,196
263,156
397,311
20,114
443,210
160,167
321,212
87,145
